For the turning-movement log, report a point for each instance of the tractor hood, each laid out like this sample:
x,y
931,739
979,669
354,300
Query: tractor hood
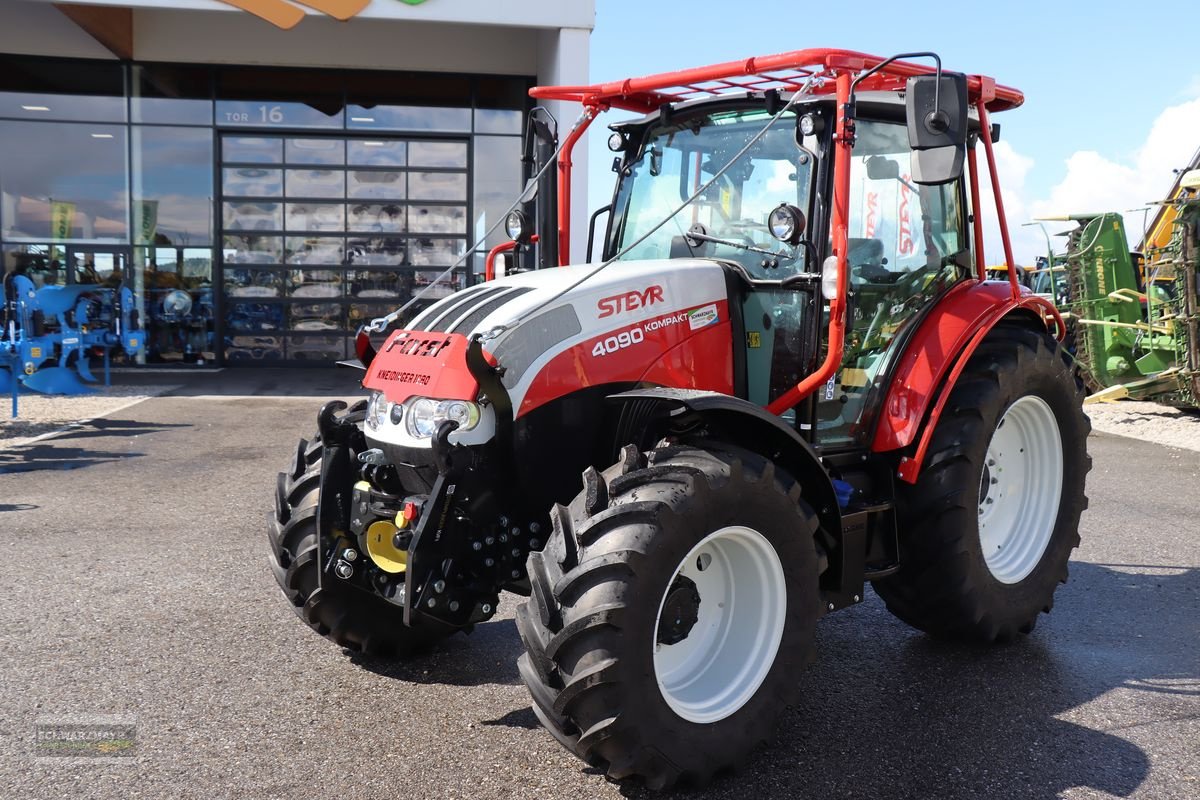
x,y
623,292
616,327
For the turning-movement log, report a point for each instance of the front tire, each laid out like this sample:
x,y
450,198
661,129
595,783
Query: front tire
x,y
987,530
347,616
672,608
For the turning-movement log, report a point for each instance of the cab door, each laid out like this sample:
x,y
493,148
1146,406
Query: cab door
x,y
908,244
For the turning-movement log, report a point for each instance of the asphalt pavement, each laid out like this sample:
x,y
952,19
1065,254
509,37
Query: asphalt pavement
x,y
135,583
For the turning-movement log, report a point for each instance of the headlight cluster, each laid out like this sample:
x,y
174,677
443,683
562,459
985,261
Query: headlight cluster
x,y
426,415
422,415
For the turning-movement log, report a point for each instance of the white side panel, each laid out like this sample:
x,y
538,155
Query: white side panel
x,y
683,285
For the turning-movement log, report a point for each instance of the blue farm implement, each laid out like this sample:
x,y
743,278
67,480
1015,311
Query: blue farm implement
x,y
50,333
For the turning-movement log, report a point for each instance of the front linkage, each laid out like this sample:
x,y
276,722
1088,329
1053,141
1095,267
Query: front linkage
x,y
445,554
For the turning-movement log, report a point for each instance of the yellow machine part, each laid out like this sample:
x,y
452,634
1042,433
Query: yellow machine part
x,y
382,550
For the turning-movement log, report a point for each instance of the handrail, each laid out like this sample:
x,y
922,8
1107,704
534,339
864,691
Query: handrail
x,y
489,263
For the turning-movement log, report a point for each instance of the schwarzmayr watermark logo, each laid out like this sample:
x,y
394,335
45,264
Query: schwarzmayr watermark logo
x,y
85,737
286,13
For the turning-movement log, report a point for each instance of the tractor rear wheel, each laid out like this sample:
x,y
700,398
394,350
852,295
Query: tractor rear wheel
x,y
672,609
347,616
987,530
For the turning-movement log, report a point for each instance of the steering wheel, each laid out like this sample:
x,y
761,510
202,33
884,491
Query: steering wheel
x,y
870,272
910,281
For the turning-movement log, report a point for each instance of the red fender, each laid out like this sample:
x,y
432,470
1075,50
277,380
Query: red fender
x,y
936,356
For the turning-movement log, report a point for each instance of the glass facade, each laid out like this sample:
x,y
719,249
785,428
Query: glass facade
x,y
259,214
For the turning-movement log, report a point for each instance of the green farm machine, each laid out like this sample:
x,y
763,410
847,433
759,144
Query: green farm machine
x,y
1134,315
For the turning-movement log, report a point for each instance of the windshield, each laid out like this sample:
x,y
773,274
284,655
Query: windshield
x,y
678,159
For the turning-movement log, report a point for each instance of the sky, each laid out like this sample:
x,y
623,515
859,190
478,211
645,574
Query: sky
x,y
1112,97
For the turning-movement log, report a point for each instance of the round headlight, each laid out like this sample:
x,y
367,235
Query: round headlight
x,y
464,413
810,124
377,409
516,226
616,142
786,223
422,418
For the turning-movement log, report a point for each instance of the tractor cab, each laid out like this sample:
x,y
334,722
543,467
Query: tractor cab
x,y
760,204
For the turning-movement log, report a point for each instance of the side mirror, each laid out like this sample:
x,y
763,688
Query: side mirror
x,y
936,110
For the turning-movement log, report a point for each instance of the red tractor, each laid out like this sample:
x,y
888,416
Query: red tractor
x,y
786,376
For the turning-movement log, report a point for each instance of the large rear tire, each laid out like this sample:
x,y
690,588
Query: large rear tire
x,y
987,530
347,616
672,609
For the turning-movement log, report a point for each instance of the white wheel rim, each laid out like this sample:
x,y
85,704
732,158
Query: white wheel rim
x,y
725,657
1020,489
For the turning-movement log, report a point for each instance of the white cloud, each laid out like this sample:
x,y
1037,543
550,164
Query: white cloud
x,y
1094,182
1012,168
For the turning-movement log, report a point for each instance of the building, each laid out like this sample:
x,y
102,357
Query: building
x,y
264,190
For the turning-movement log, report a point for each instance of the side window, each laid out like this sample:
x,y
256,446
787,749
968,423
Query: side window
x,y
906,245
896,226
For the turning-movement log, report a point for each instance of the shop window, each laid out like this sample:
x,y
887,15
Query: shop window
x,y
252,182
377,250
367,153
42,263
308,284
438,219
247,349
97,267
271,114
172,94
252,249
375,185
172,186
318,348
279,98
500,105
497,161
437,154
437,186
316,183
252,149
180,320
316,217
315,316
63,181
376,218
314,250
315,151
409,118
499,120
430,252
59,89
248,216
377,284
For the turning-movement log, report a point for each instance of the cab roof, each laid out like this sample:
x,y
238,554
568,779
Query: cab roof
x,y
783,72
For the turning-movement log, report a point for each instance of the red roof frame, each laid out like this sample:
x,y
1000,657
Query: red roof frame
x,y
783,71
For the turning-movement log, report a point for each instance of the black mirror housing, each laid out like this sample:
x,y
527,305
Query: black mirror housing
x,y
937,113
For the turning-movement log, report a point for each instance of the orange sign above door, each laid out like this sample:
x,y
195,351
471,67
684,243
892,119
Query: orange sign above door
x,y
286,13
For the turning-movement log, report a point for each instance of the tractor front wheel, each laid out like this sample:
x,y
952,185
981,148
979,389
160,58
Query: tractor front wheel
x,y
350,617
671,610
